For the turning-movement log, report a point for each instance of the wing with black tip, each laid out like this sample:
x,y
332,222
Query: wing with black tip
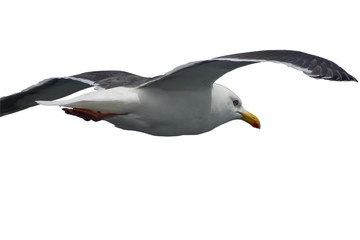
x,y
204,73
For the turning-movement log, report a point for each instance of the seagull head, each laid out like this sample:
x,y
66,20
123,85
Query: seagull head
x,y
233,107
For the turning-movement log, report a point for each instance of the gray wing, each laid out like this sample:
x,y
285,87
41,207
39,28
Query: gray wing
x,y
190,76
204,73
54,88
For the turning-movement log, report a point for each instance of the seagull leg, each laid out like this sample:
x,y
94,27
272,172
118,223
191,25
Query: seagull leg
x,y
88,114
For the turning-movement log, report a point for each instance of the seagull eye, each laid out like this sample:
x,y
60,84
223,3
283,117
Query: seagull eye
x,y
236,102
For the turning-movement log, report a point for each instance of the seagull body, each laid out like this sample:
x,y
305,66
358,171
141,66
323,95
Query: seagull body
x,y
184,101
157,111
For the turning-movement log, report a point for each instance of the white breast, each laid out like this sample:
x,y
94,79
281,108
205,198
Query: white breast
x,y
163,112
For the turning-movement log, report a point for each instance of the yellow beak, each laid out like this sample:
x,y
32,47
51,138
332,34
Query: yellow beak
x,y
251,119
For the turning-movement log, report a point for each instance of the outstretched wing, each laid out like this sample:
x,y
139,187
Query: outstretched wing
x,y
204,73
54,88
189,76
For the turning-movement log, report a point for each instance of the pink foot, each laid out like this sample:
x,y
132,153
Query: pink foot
x,y
88,114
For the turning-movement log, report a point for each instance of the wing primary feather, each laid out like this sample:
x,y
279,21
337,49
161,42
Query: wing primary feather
x,y
49,89
311,65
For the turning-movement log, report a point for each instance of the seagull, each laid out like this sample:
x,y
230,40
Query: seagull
x,y
184,101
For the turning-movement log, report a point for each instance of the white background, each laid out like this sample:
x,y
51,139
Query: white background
x,y
296,178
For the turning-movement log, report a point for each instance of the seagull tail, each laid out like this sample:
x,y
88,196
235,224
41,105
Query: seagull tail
x,y
72,103
54,103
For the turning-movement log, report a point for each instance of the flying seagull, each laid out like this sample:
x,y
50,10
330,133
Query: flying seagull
x,y
183,101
